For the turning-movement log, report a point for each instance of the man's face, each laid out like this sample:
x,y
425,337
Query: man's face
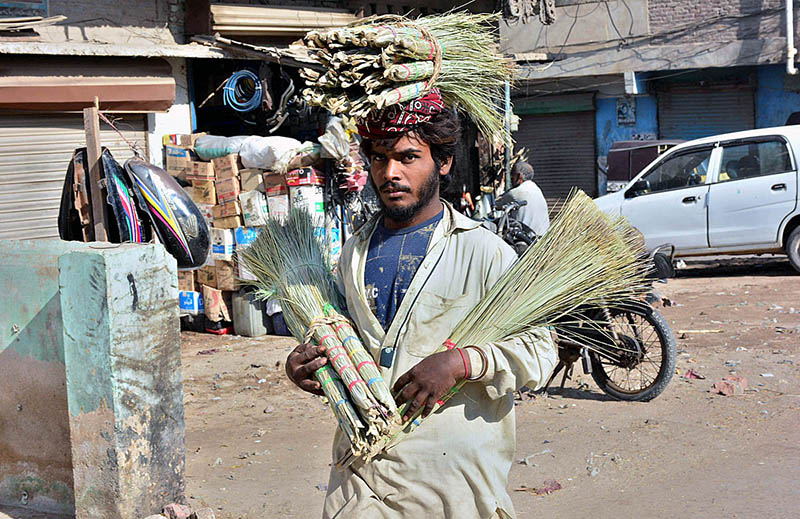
x,y
405,176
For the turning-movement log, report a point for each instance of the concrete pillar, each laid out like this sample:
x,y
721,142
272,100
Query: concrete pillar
x,y
113,443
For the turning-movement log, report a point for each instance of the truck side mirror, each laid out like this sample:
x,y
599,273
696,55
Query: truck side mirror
x,y
639,187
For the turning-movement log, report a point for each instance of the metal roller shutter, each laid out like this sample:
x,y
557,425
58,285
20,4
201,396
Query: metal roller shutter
x,y
561,149
692,115
35,150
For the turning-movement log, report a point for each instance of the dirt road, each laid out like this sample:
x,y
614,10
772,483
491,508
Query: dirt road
x,y
259,448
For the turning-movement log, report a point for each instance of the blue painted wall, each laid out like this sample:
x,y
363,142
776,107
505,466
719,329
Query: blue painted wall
x,y
773,103
608,131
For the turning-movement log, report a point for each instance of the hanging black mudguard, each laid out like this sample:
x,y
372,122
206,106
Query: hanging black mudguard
x,y
176,219
122,223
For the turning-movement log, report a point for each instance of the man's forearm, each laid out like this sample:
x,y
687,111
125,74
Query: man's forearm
x,y
528,359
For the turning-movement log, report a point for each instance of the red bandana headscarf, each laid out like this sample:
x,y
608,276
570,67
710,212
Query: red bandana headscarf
x,y
395,120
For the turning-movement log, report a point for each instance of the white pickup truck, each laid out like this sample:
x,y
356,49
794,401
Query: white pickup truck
x,y
735,193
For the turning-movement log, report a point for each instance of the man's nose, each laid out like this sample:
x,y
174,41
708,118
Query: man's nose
x,y
393,170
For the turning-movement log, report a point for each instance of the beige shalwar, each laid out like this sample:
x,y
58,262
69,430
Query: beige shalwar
x,y
456,464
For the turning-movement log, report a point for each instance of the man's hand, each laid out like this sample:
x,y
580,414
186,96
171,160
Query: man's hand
x,y
301,364
428,381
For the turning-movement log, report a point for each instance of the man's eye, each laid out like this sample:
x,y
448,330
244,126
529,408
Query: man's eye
x,y
409,158
378,158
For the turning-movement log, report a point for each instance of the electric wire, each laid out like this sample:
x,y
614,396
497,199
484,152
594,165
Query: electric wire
x,y
243,91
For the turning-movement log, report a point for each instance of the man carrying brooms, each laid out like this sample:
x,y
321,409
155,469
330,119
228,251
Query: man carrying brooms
x,y
408,277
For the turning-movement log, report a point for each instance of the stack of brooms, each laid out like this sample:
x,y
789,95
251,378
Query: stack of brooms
x,y
586,259
384,60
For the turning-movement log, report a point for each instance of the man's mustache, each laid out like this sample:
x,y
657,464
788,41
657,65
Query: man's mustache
x,y
394,186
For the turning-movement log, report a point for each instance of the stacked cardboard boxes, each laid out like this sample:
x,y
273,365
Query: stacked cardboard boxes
x,y
237,202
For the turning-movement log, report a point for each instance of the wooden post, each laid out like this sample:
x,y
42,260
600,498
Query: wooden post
x,y
91,125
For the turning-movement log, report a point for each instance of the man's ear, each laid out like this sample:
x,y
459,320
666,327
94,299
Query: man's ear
x,y
445,169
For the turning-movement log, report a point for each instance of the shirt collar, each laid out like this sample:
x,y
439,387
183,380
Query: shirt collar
x,y
452,219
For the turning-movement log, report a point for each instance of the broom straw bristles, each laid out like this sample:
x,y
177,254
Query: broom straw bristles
x,y
472,73
288,263
586,259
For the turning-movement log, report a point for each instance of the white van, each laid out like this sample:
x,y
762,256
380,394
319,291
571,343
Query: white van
x,y
734,193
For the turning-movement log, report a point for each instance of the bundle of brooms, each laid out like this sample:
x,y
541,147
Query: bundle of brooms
x,y
384,60
586,259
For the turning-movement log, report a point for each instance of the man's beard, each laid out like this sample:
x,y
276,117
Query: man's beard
x,y
426,193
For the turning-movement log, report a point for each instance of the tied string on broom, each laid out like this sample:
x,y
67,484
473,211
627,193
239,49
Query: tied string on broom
x,y
586,260
435,51
382,61
334,332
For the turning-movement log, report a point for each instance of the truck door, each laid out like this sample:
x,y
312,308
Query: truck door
x,y
755,189
668,202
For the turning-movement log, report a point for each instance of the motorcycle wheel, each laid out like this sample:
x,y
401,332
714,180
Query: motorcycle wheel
x,y
646,376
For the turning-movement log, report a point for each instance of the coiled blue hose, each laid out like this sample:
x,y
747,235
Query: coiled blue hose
x,y
242,92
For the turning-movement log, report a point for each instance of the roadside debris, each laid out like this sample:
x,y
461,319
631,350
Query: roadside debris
x,y
550,486
176,511
692,374
526,459
211,351
730,385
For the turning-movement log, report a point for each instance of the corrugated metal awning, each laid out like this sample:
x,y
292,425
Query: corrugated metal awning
x,y
66,84
689,115
252,20
561,149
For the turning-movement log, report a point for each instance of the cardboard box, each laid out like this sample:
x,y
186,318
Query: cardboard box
x,y
244,236
228,190
223,243
178,139
226,275
207,275
179,161
243,272
202,171
204,192
186,280
206,210
304,177
189,139
251,179
228,222
310,198
218,305
229,209
274,184
278,206
191,302
254,208
227,166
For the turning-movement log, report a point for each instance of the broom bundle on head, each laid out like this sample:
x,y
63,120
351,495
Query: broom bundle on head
x,y
586,259
288,263
385,60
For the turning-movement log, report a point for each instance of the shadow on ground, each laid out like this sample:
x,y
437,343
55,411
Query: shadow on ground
x,y
728,266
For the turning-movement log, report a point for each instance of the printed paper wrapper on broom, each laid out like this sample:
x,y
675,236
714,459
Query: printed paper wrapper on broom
x,y
288,263
383,60
586,259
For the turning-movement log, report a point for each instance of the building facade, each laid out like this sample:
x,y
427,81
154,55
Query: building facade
x,y
644,70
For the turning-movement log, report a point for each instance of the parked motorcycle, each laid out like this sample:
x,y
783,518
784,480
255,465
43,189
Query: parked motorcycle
x,y
629,350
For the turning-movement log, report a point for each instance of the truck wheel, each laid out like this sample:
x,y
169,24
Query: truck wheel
x,y
792,247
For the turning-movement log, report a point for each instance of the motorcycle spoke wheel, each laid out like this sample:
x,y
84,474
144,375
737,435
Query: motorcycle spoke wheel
x,y
647,350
